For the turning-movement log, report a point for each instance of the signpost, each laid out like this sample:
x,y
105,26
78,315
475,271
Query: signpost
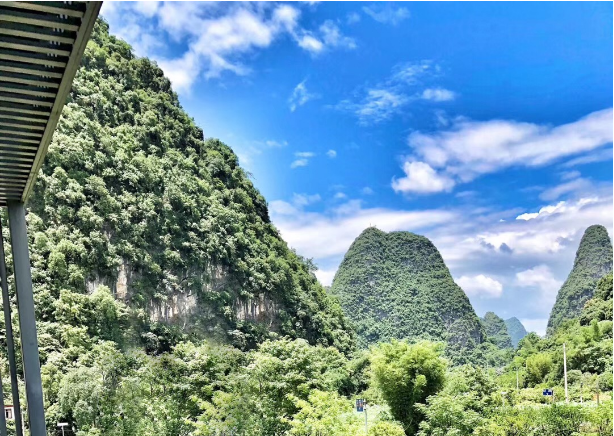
x,y
62,425
549,393
361,406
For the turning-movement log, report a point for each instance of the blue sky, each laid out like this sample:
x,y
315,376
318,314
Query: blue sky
x,y
486,127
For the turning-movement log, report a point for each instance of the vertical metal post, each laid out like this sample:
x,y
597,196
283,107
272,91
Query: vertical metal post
x,y
27,318
10,343
2,412
565,371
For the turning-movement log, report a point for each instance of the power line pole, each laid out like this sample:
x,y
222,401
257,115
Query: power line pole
x,y
517,387
565,372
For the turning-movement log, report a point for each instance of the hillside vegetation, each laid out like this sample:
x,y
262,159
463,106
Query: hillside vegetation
x,y
593,261
132,197
496,330
396,286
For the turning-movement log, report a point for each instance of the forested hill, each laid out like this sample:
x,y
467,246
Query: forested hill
x,y
496,330
133,198
516,330
396,285
593,261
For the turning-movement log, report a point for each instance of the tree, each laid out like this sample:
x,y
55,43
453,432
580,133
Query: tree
x,y
407,374
538,366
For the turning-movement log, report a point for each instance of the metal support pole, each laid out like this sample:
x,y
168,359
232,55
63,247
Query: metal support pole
x,y
8,325
366,422
2,412
27,318
565,371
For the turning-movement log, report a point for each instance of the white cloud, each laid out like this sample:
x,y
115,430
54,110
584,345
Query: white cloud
x,y
560,207
537,325
300,95
340,196
367,191
302,159
596,156
387,14
310,43
542,279
389,97
218,36
329,234
575,185
332,36
353,18
276,144
328,36
471,148
331,153
421,178
299,163
438,94
378,105
480,286
302,200
326,276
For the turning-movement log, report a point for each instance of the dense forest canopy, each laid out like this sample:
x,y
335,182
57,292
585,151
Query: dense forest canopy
x,y
396,285
132,197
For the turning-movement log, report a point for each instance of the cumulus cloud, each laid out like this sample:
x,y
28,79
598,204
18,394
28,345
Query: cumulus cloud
x,y
421,178
387,14
480,286
469,149
438,94
331,154
542,279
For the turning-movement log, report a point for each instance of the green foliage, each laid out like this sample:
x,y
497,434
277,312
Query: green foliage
x,y
325,413
273,385
131,196
593,261
396,286
600,306
496,330
469,396
386,428
516,330
407,374
538,366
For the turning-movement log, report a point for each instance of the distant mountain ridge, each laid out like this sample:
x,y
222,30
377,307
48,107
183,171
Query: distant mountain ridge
x,y
496,330
516,330
396,285
593,261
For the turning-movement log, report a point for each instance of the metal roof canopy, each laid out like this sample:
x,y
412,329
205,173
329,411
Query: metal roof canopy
x,y
41,45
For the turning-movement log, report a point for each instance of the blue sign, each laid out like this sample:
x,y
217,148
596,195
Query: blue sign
x,y
360,405
548,392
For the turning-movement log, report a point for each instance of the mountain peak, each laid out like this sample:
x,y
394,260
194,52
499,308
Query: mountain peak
x,y
593,261
396,285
